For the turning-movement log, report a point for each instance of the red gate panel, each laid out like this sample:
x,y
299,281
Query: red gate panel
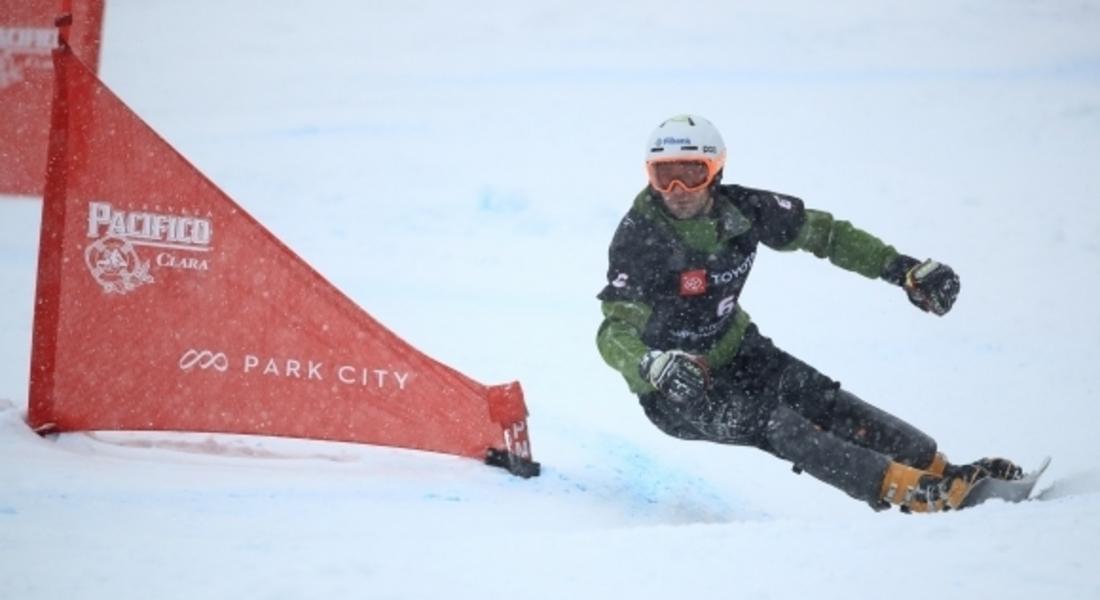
x,y
27,35
161,304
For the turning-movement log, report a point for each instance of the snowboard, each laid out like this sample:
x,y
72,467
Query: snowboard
x,y
1010,491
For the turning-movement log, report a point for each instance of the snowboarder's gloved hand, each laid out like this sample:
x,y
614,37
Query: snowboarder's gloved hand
x,y
676,374
931,286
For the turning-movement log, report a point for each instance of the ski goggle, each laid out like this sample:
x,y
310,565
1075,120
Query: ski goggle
x,y
692,175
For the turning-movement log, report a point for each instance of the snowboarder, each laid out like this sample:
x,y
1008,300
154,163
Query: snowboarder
x,y
674,329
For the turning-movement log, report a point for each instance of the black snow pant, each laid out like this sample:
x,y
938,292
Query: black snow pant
x,y
771,400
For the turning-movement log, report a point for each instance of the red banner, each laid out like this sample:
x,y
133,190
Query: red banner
x,y
27,35
162,304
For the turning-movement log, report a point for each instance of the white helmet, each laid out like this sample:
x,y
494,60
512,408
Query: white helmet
x,y
684,139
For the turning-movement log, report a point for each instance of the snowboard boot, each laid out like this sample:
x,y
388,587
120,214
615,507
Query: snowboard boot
x,y
917,490
938,464
997,468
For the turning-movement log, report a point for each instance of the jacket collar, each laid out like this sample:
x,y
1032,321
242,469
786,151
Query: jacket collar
x,y
731,222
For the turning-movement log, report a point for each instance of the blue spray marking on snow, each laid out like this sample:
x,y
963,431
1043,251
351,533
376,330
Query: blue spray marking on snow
x,y
443,497
495,202
642,487
511,208
654,486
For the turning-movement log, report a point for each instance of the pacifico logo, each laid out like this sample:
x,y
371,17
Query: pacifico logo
x,y
23,49
180,242
116,266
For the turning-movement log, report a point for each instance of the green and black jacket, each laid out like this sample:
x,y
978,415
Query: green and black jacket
x,y
674,284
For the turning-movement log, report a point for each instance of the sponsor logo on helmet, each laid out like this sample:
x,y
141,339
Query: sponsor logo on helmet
x,y
672,141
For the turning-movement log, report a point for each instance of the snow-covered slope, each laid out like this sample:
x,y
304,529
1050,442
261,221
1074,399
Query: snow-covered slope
x,y
458,170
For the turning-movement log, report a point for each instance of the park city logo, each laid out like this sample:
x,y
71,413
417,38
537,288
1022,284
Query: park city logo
x,y
302,368
203,360
177,242
24,49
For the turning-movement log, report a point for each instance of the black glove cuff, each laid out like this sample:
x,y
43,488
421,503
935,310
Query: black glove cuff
x,y
895,271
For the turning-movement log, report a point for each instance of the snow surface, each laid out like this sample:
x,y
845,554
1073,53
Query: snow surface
x,y
458,169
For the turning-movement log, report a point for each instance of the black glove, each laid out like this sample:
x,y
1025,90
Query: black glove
x,y
676,374
931,286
